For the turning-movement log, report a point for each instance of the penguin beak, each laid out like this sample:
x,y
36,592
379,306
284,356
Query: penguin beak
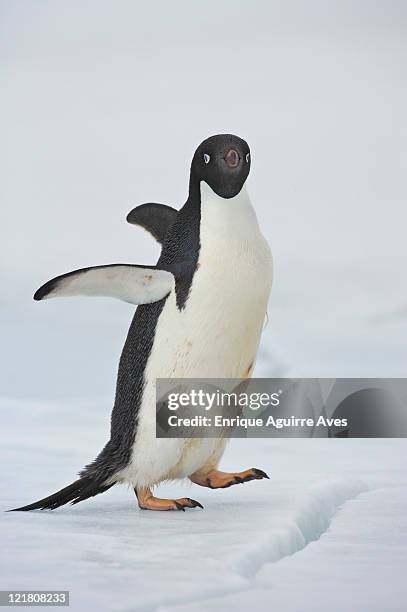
x,y
232,159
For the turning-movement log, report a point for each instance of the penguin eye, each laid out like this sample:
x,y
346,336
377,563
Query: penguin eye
x,y
207,158
247,157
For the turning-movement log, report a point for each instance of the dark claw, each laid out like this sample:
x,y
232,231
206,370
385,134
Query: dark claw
x,y
194,503
260,473
180,507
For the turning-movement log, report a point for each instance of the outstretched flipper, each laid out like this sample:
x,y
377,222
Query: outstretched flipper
x,y
155,218
130,283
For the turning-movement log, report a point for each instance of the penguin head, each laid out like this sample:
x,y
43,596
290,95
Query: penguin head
x,y
223,162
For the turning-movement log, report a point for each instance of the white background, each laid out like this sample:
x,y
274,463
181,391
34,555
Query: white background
x,y
103,104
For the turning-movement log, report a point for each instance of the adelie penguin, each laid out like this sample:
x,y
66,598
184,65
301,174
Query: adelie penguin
x,y
200,314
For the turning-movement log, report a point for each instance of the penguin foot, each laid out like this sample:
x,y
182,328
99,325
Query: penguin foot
x,y
222,480
147,501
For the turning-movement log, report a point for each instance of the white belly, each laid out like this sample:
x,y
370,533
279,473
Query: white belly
x,y
216,335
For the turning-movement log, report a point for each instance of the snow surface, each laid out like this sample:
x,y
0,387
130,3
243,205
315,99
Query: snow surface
x,y
328,531
102,106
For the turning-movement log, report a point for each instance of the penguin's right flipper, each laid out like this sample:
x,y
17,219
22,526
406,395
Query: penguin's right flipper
x,y
155,218
130,283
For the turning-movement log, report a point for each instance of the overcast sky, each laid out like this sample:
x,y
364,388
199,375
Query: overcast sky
x,y
103,104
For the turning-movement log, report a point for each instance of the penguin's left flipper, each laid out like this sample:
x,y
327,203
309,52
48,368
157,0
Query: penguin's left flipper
x,y
155,218
130,283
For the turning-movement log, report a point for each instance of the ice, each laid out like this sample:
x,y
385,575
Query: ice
x,y
333,516
357,564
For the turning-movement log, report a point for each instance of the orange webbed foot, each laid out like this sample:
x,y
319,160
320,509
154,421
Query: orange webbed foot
x,y
147,501
222,480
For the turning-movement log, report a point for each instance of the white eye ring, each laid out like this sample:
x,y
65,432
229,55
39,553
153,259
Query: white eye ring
x,y
247,157
207,158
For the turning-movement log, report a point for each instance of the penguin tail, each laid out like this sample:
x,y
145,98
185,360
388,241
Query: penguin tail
x,y
74,493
